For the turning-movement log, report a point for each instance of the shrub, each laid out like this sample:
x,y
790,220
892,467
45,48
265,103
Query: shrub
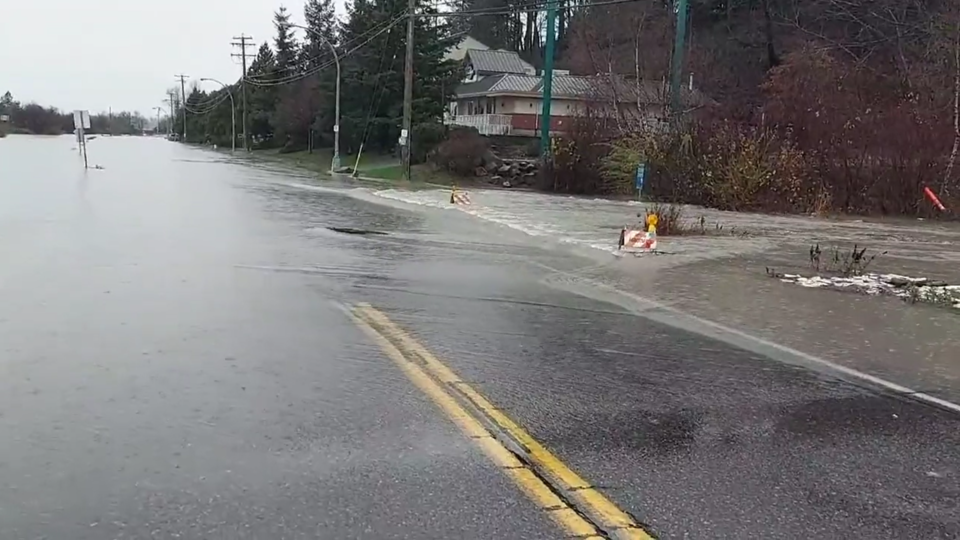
x,y
426,137
576,160
462,152
670,221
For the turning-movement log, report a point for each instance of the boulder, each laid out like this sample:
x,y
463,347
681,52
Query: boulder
x,y
480,172
491,161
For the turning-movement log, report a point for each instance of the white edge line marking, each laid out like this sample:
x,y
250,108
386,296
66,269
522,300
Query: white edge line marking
x,y
782,348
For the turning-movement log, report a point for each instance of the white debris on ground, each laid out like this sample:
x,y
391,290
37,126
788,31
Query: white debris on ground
x,y
905,287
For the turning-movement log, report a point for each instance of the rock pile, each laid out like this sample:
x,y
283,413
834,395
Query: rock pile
x,y
509,172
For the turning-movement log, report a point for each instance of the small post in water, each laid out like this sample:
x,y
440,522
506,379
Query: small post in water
x,y
641,176
81,122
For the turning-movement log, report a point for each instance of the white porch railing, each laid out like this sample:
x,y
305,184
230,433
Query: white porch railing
x,y
486,124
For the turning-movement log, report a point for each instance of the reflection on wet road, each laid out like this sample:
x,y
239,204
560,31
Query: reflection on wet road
x,y
179,359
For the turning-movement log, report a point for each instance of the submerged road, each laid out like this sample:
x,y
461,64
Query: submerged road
x,y
193,347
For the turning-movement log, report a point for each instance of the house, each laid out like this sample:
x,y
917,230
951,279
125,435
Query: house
x,y
501,94
466,43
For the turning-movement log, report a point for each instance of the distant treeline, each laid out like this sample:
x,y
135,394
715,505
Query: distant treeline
x,y
39,120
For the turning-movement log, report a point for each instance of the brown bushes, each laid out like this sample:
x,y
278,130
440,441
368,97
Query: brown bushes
x,y
829,137
461,153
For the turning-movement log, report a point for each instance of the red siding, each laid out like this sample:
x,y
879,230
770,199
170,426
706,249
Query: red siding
x,y
532,122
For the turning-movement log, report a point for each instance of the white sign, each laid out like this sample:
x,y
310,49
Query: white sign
x,y
336,128
81,119
4,118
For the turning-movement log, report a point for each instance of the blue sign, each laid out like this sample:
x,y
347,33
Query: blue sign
x,y
641,176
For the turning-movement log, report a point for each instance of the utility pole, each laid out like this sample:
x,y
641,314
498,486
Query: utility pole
x,y
678,45
406,135
548,77
183,104
159,110
171,99
243,41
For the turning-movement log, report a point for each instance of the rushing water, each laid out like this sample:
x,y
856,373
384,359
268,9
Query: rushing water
x,y
595,224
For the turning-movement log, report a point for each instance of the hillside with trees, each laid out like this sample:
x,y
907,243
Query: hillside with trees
x,y
819,105
36,119
291,81
813,105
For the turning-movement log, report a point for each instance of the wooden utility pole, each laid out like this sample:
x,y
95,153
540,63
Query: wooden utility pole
x,y
159,110
171,99
183,104
406,132
243,41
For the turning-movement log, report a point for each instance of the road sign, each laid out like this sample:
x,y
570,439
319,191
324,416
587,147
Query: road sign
x,y
641,176
81,119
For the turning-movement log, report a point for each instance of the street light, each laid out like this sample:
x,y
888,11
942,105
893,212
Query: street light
x,y
335,162
233,113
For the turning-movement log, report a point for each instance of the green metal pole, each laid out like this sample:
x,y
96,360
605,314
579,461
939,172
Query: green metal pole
x,y
678,44
548,78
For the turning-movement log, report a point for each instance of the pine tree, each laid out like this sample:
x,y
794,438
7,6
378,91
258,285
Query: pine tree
x,y
321,21
322,25
373,75
262,99
284,41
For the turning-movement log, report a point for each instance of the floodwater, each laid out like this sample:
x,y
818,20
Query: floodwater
x,y
177,361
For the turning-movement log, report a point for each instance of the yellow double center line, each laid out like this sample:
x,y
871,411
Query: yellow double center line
x,y
582,512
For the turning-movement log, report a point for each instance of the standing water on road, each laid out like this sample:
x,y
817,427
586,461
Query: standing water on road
x,y
596,223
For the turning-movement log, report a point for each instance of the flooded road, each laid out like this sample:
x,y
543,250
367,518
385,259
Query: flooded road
x,y
189,350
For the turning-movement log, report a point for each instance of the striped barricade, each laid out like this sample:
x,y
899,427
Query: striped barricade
x,y
632,239
459,197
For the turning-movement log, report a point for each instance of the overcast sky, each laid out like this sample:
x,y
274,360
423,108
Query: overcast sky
x,y
97,54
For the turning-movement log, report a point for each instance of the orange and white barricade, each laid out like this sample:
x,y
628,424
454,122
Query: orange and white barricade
x,y
633,239
459,197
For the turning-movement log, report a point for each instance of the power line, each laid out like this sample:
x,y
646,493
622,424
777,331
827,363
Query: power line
x,y
524,8
311,72
373,33
207,108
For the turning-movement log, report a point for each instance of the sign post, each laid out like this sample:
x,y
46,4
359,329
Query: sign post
x,y
641,176
81,122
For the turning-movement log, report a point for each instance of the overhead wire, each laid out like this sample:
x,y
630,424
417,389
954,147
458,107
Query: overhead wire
x,y
370,35
523,8
260,80
379,90
207,108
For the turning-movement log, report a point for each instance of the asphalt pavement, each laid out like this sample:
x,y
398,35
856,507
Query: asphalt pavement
x,y
181,356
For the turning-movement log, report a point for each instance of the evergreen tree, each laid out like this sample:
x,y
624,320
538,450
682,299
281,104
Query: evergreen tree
x,y
284,42
373,75
321,22
261,99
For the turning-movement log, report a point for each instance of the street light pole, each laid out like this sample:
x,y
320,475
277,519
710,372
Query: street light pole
x,y
335,163
159,110
233,113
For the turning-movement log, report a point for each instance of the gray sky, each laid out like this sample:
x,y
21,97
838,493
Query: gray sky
x,y
96,54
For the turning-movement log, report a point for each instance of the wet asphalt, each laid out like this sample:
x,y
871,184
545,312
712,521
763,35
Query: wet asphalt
x,y
175,362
